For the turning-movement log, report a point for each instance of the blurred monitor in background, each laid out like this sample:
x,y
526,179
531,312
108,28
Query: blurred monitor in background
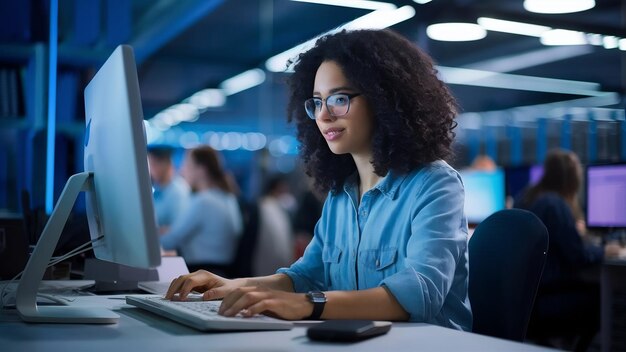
x,y
484,193
170,191
606,196
519,177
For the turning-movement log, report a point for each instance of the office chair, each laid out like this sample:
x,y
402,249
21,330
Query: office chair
x,y
507,253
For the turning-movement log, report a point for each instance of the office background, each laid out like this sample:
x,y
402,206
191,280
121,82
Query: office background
x,y
520,94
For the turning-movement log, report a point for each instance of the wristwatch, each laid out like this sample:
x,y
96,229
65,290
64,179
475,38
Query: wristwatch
x,y
318,299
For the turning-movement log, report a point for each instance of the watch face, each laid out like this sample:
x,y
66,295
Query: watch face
x,y
317,297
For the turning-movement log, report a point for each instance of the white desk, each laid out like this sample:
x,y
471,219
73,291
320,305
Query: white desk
x,y
141,331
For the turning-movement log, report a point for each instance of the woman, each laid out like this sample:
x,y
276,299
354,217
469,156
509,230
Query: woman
x,y
565,303
374,123
207,232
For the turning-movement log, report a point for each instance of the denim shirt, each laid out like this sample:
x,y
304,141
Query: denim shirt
x,y
408,234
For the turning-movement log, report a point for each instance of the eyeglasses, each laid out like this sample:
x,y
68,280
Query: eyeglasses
x,y
336,104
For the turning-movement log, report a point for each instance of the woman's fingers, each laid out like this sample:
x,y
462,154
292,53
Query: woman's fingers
x,y
175,286
239,299
259,307
184,284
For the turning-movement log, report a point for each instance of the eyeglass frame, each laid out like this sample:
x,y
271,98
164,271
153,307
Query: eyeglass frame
x,y
348,95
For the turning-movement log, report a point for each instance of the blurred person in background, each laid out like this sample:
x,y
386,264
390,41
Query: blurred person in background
x,y
275,246
171,192
308,212
206,234
566,303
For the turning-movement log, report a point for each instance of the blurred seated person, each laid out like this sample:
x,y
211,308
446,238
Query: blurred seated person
x,y
483,163
206,234
274,247
566,305
171,192
308,212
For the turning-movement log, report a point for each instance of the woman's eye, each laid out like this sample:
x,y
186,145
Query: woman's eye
x,y
318,104
340,100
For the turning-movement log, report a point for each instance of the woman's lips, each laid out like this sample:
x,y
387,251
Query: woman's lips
x,y
332,134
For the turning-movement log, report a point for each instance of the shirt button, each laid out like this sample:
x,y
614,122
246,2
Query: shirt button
x,y
377,263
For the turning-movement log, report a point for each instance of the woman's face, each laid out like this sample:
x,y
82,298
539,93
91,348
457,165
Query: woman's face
x,y
350,133
191,172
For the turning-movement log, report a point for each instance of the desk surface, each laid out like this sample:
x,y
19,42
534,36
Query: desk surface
x,y
139,330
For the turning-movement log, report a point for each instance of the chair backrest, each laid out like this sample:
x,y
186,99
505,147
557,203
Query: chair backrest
x,y
242,263
507,253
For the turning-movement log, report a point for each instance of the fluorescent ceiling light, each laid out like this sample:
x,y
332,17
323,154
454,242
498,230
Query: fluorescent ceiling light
x,y
422,2
594,39
533,58
563,37
558,6
208,98
455,32
359,4
378,19
622,44
610,42
521,28
243,81
464,76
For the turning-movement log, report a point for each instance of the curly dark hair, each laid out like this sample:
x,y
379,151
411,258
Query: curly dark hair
x,y
413,110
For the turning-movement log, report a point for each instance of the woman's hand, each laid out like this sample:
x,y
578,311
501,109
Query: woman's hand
x,y
202,281
252,300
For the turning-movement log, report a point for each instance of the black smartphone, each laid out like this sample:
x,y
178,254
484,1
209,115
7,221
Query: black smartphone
x,y
347,330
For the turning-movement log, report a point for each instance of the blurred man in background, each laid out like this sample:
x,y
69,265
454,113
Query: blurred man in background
x,y
171,192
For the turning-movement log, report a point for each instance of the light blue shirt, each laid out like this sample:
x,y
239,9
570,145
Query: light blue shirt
x,y
208,230
408,234
170,201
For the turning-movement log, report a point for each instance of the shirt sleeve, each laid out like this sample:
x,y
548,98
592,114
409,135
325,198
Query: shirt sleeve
x,y
185,225
307,273
438,243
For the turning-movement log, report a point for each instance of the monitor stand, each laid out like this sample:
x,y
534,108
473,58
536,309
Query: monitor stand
x,y
26,295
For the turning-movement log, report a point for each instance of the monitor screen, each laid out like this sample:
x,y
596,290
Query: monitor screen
x,y
120,207
536,172
484,194
520,177
606,196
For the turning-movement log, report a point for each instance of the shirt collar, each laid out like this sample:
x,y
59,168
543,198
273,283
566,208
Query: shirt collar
x,y
388,185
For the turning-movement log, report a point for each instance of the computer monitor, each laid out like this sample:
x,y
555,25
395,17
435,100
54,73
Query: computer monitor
x,y
118,191
484,194
519,177
606,196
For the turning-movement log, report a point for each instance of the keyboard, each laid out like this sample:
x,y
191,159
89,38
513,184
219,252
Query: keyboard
x,y
202,315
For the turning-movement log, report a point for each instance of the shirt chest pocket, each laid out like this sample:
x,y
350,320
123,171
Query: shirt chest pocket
x,y
377,264
331,255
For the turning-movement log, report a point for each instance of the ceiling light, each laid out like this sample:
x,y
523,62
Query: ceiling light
x,y
594,39
622,44
521,28
359,4
455,32
422,2
208,98
610,42
563,37
378,19
243,81
558,6
516,62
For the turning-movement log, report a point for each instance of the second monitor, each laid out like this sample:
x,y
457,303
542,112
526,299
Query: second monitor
x,y
484,194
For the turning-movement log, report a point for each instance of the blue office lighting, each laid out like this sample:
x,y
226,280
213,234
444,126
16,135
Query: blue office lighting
x,y
52,85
